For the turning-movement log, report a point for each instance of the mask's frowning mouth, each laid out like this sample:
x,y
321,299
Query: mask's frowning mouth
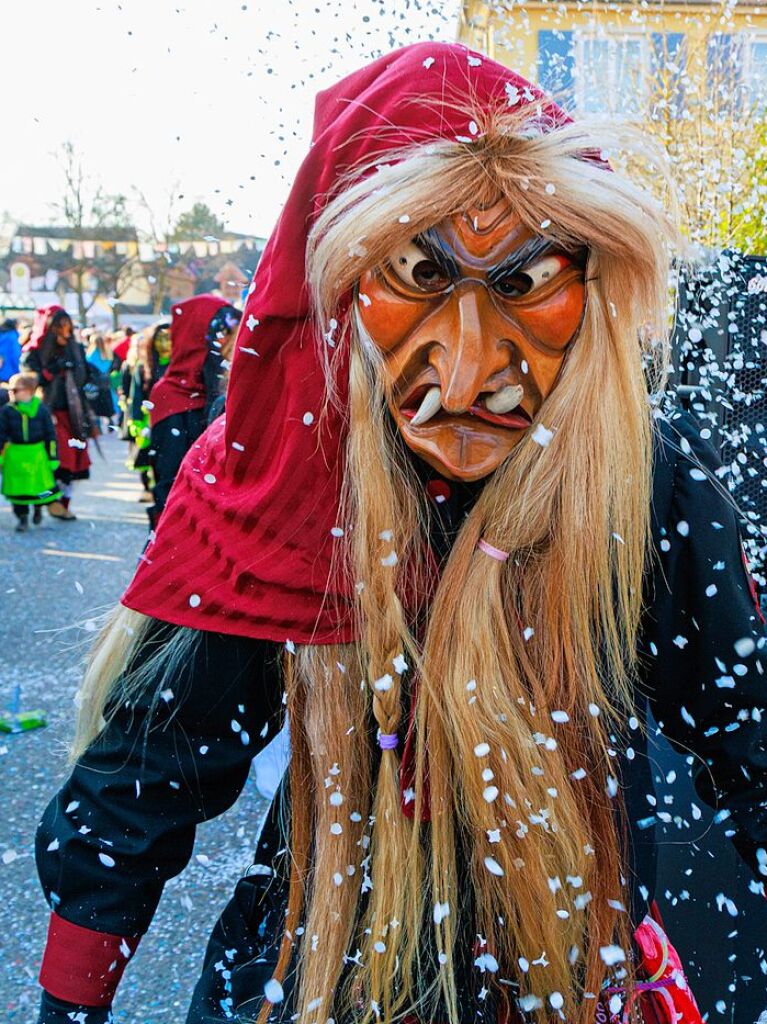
x,y
503,408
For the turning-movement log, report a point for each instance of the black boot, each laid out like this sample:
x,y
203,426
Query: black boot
x,y
23,524
37,515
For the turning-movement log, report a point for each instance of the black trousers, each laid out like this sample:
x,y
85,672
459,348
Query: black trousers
x,y
21,511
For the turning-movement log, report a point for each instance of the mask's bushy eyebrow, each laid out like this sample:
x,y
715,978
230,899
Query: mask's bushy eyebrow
x,y
434,246
532,250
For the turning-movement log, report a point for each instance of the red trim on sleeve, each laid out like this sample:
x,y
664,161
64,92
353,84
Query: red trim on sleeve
x,y
82,966
48,375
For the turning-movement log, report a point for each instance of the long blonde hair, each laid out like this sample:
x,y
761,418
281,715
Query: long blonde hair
x,y
525,669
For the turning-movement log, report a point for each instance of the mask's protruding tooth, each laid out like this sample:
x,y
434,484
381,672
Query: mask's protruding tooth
x,y
430,406
506,399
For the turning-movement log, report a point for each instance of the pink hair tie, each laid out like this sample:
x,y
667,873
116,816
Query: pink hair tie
x,y
388,740
496,553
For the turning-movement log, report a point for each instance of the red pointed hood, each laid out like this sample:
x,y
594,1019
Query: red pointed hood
x,y
181,388
41,323
245,543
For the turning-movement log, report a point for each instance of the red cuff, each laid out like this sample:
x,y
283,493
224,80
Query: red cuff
x,y
81,966
48,375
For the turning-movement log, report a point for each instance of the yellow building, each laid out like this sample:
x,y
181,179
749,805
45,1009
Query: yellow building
x,y
608,57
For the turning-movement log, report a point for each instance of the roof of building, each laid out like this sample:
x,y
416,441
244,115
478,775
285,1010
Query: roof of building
x,y
126,234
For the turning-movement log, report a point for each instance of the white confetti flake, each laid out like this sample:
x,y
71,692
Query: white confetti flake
x,y
209,478
545,224
251,323
557,1000
273,991
441,911
308,419
560,716
71,806
542,436
336,531
404,219
490,793
384,683
106,860
9,856
428,62
379,947
194,600
513,95
482,750
290,647
744,647
493,866
400,665
390,559
486,962
612,955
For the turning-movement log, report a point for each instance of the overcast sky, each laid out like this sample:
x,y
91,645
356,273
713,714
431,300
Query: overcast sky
x,y
216,95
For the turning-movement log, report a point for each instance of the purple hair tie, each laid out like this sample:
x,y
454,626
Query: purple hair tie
x,y
388,740
493,552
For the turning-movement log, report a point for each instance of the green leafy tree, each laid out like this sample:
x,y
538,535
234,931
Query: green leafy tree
x,y
197,223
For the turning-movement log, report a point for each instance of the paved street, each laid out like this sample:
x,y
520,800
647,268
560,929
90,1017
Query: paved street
x,y
55,582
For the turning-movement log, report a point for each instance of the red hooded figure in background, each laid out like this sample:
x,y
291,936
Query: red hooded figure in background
x,y
180,403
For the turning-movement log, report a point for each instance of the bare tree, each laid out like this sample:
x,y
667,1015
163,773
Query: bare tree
x,y
158,232
88,211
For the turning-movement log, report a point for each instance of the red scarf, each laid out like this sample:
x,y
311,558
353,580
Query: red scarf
x,y
181,387
245,543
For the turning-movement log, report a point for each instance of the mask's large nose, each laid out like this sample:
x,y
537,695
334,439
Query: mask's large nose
x,y
467,354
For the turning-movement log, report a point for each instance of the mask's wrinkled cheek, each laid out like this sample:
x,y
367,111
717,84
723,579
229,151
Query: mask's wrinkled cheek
x,y
389,319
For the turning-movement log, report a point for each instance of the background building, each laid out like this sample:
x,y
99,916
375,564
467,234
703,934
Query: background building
x,y
693,73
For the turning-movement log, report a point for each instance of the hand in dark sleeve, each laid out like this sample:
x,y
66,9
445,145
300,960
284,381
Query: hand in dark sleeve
x,y
124,823
706,647
31,363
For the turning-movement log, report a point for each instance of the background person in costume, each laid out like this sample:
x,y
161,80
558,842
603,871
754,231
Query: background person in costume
x,y
202,336
152,362
440,517
27,451
10,349
58,360
99,355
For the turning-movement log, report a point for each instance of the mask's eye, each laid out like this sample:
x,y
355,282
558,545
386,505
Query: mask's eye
x,y
418,270
534,276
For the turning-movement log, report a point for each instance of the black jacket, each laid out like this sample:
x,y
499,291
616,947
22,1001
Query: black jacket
x,y
702,647
20,429
50,367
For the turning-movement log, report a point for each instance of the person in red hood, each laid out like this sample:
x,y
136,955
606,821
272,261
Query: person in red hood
x,y
202,334
443,527
58,360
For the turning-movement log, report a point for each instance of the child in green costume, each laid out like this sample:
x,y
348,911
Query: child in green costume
x,y
27,451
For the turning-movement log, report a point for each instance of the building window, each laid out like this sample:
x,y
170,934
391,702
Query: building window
x,y
612,73
755,71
